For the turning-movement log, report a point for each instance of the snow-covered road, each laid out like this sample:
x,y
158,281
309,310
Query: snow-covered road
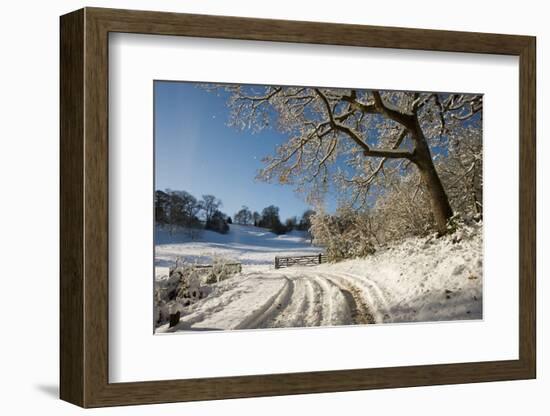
x,y
296,297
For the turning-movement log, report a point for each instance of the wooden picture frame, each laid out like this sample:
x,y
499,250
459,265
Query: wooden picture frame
x,y
84,207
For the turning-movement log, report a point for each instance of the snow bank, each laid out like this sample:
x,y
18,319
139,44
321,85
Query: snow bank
x,y
422,279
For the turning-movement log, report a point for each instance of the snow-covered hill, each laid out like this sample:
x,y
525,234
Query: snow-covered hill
x,y
254,247
417,280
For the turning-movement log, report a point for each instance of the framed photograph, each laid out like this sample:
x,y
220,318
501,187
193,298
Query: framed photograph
x,y
262,207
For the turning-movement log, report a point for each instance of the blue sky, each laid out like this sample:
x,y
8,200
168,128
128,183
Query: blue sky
x,y
197,152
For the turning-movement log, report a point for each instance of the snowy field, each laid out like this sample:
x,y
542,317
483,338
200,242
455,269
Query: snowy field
x,y
254,247
418,280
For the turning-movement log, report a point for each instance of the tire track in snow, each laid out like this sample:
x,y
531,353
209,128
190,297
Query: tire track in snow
x,y
258,318
336,310
373,294
314,314
275,300
359,310
295,312
213,304
326,300
379,294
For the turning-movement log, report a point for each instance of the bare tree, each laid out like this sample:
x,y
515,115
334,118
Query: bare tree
x,y
243,216
209,204
189,204
256,217
305,221
372,130
461,171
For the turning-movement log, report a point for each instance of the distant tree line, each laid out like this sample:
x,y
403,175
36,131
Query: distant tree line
x,y
180,208
270,219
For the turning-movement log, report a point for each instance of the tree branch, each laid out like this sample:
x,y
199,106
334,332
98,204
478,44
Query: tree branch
x,y
367,151
392,112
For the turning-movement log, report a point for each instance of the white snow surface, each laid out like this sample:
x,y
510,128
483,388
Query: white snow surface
x,y
254,247
417,280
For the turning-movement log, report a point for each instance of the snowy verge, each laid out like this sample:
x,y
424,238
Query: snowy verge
x,y
422,279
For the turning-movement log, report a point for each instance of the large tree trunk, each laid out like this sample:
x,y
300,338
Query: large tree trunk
x,y
441,208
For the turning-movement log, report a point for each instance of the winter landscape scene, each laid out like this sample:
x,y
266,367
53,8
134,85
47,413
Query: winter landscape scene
x,y
294,207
